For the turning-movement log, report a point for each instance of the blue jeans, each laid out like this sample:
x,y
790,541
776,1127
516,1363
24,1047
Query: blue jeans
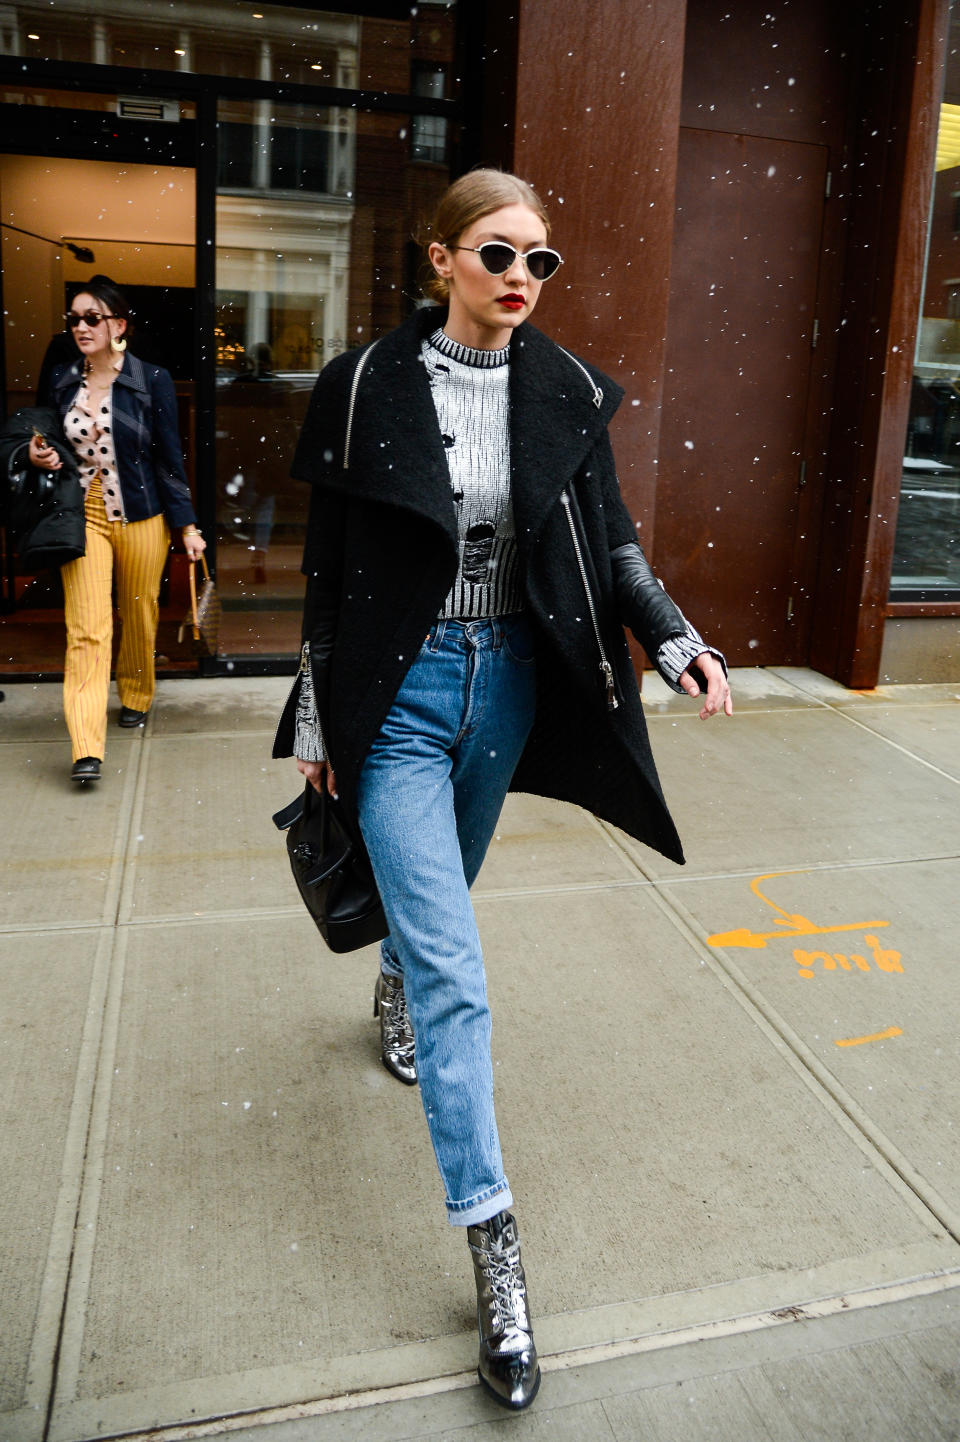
x,y
429,798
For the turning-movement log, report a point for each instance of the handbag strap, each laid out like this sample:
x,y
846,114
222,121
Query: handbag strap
x,y
193,591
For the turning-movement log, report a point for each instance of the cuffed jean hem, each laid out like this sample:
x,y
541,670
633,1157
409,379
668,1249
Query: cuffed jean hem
x,y
389,966
468,1214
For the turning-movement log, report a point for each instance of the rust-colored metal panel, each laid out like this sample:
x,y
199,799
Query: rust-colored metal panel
x,y
744,288
596,126
768,67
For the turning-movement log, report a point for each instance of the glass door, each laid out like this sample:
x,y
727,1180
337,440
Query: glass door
x,y
81,198
284,216
315,212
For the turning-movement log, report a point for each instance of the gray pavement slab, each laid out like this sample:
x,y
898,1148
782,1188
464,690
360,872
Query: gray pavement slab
x,y
245,1204
204,705
795,788
46,985
32,711
61,844
251,1133
857,966
671,1392
203,841
930,731
546,845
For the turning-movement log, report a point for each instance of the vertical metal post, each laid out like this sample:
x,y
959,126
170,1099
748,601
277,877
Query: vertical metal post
x,y
205,345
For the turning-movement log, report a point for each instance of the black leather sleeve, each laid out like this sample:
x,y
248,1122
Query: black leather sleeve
x,y
642,602
321,611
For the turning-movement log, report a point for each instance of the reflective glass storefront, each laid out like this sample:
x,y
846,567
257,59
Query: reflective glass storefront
x,y
252,175
926,563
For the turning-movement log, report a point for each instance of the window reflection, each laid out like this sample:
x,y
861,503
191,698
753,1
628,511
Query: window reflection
x,y
315,210
926,564
282,44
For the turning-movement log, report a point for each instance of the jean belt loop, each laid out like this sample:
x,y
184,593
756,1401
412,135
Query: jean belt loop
x,y
496,627
437,634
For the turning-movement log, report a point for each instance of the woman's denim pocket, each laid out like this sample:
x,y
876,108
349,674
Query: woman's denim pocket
x,y
518,641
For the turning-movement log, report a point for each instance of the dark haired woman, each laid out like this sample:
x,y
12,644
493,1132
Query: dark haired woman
x,y
120,416
470,564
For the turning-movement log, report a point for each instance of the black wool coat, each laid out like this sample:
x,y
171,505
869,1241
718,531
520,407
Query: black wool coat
x,y
382,542
44,510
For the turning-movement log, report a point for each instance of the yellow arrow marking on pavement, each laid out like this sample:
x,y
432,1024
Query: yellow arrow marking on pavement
x,y
875,1036
792,924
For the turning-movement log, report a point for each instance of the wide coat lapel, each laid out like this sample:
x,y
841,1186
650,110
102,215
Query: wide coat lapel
x,y
396,455
558,412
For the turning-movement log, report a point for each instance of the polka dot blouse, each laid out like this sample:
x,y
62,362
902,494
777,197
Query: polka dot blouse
x,y
92,439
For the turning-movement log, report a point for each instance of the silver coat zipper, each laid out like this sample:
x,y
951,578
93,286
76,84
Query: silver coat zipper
x,y
605,667
597,392
353,400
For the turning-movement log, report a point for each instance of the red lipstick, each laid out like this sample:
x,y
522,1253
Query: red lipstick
x,y
512,301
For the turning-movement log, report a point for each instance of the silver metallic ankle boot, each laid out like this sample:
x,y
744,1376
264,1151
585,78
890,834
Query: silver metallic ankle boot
x,y
396,1033
508,1358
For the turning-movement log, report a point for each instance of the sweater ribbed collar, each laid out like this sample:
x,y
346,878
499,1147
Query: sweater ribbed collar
x,y
468,355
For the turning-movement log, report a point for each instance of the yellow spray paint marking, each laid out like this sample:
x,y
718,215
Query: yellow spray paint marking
x,y
876,1036
883,959
793,924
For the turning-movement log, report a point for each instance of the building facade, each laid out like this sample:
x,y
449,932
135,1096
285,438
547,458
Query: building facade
x,y
759,225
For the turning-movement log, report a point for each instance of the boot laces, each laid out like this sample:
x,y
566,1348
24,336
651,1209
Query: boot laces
x,y
398,1033
504,1275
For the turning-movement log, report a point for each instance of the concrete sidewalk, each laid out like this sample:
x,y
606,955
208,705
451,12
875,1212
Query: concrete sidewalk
x,y
726,1093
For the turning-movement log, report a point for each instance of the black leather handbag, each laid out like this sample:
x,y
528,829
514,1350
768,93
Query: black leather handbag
x,y
332,872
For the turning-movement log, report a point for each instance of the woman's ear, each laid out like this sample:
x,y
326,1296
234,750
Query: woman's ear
x,y
439,258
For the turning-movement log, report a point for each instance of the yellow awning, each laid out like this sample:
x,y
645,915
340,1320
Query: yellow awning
x,y
948,137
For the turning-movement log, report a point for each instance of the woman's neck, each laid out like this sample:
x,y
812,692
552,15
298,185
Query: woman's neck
x,y
102,374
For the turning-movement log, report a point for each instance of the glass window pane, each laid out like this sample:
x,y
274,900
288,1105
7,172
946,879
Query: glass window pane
x,y
270,42
926,563
315,210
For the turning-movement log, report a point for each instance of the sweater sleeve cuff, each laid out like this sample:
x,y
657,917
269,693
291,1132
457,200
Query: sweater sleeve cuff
x,y
677,652
307,736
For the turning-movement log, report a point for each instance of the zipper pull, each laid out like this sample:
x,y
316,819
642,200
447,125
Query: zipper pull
x,y
305,656
607,669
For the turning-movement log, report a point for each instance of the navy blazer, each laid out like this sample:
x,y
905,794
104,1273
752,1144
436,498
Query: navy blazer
x,y
146,438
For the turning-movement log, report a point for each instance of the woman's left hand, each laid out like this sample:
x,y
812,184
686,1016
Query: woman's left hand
x,y
194,544
718,688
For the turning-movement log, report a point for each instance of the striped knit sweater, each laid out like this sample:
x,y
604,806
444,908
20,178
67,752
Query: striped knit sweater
x,y
471,396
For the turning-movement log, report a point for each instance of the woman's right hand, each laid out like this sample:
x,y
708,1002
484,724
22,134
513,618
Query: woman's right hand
x,y
44,457
316,772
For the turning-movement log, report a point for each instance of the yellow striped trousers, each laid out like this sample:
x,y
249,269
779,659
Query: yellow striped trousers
x,y
137,553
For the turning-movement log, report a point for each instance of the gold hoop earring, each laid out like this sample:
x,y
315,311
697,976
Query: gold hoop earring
x,y
118,344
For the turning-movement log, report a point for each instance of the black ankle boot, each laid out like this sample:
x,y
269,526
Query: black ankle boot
x,y
508,1358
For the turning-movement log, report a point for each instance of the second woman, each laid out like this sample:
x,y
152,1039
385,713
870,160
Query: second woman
x,y
120,416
